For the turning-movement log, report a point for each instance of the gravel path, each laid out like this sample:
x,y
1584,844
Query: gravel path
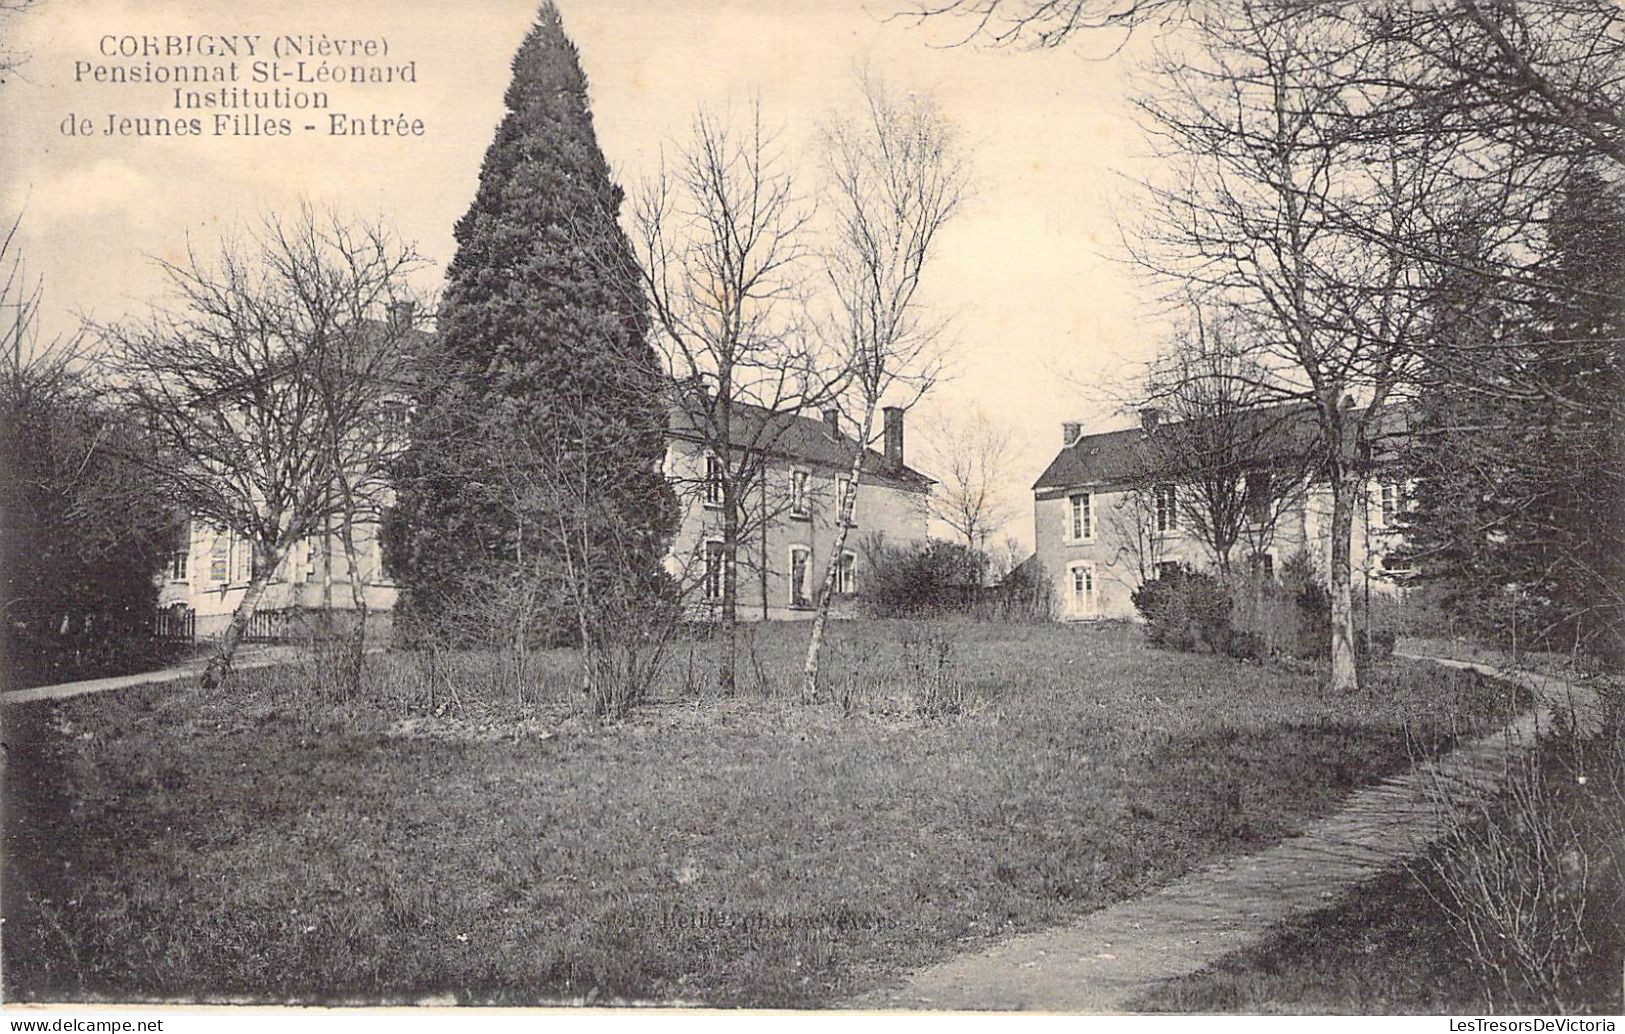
x,y
254,657
1113,956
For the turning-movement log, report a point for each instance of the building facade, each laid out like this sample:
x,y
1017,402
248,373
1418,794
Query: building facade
x,y
791,524
782,557
1105,521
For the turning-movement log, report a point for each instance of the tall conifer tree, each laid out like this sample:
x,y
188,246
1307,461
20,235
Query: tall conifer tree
x,y
542,350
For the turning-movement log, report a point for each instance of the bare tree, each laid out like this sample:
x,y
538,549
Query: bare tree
x,y
897,176
1221,459
969,457
1264,212
244,385
10,59
82,532
1430,140
721,240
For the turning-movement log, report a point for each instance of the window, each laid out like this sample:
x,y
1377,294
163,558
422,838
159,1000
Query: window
x,y
1081,589
843,492
799,480
243,561
1167,569
1083,521
713,480
846,574
393,414
180,551
1398,563
220,558
1256,497
313,550
1166,502
1393,502
378,559
715,561
800,576
1263,564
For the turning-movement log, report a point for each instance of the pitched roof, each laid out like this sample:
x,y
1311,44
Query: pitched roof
x,y
790,436
1284,432
806,439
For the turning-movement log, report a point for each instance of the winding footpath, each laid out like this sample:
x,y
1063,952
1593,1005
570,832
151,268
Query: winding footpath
x,y
246,660
1111,957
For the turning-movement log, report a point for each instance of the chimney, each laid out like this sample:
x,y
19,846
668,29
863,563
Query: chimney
x,y
1150,417
832,420
400,314
894,435
1070,432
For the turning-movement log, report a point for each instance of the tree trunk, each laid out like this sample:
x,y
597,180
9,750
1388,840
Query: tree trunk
x,y
728,665
355,659
1346,487
815,643
220,664
327,576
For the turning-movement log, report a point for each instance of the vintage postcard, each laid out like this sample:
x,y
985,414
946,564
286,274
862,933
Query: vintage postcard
x,y
1102,507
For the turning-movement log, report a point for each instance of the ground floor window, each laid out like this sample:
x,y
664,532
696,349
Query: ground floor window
x,y
846,574
800,576
714,560
1081,589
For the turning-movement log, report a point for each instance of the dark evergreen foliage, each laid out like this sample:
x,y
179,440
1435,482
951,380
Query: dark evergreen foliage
x,y
543,354
82,532
1520,504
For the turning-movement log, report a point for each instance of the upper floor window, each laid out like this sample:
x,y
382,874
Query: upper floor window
x,y
1166,502
1394,502
243,561
393,413
220,558
713,479
180,551
1256,496
843,498
1082,526
799,483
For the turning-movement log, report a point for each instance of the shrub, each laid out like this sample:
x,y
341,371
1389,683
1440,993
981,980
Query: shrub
x,y
1313,603
1184,608
1376,645
1534,880
1025,594
938,578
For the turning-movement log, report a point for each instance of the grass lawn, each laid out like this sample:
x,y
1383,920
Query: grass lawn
x,y
1388,949
257,841
1392,947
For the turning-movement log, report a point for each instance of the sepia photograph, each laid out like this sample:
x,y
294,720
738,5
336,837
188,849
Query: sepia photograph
x,y
852,508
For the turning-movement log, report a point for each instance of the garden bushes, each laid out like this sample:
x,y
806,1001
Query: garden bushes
x,y
937,578
1185,609
1249,616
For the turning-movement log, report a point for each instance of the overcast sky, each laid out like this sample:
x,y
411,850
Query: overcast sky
x,y
1027,270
